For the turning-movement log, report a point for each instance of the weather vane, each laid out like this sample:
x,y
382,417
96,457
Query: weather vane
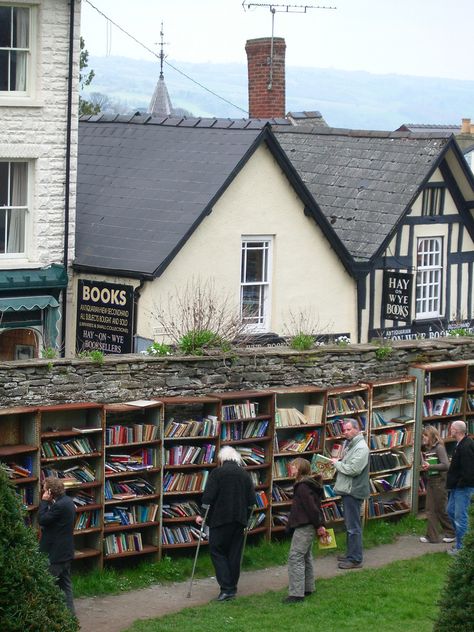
x,y
280,8
162,55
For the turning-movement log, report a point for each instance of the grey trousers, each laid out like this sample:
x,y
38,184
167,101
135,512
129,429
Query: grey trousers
x,y
62,573
300,562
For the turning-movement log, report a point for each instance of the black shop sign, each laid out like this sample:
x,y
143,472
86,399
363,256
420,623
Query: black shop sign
x,y
397,296
104,317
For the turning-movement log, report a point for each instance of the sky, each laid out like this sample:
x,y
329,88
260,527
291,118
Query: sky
x,y
407,37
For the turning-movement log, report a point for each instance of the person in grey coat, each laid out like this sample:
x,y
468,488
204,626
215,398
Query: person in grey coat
x,y
352,483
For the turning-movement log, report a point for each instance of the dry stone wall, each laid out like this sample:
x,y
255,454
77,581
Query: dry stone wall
x,y
129,377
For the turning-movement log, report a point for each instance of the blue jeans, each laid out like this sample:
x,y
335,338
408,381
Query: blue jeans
x,y
458,510
351,507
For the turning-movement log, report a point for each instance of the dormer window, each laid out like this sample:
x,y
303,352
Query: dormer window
x,y
433,200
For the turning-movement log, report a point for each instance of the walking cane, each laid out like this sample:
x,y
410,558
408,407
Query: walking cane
x,y
247,528
201,531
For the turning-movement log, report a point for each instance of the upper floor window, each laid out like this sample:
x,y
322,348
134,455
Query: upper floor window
x,y
433,200
14,48
429,277
255,282
13,207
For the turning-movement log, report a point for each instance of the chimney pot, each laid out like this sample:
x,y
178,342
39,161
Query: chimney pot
x,y
465,126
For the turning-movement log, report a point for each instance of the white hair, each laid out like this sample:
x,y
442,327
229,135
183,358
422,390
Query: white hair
x,y
459,425
227,453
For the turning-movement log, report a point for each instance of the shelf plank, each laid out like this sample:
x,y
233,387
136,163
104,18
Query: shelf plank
x,y
130,527
12,450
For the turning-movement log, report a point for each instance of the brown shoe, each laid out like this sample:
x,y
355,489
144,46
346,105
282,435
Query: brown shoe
x,y
347,564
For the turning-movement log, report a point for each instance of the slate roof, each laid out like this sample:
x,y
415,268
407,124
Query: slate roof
x,y
429,128
142,188
362,181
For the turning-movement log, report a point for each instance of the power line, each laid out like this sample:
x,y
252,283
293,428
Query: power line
x,y
166,62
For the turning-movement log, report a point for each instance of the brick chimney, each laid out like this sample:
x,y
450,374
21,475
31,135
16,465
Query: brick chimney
x,y
266,81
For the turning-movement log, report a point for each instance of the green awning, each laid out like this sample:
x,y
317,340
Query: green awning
x,y
26,303
54,276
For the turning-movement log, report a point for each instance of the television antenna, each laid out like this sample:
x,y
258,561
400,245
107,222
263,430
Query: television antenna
x,y
280,8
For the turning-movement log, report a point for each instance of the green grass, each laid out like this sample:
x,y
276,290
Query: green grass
x,y
262,555
400,597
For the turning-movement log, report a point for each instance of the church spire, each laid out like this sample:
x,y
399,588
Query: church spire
x,y
160,104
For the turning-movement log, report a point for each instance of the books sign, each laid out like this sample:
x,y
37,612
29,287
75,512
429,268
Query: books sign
x,y
396,296
104,317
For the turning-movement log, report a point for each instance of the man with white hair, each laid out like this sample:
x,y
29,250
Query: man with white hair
x,y
460,482
230,495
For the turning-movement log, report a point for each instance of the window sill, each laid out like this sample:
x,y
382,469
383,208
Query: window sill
x,y
20,102
7,263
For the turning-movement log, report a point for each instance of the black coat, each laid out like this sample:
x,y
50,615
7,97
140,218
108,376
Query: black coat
x,y
306,505
229,492
461,470
57,526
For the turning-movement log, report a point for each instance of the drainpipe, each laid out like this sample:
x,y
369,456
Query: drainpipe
x,y
67,186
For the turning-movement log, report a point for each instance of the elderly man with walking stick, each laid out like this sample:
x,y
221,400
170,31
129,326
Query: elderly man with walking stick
x,y
230,495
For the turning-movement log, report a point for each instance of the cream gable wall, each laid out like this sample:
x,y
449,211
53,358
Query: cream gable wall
x,y
306,272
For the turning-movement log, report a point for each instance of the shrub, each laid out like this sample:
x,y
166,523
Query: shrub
x,y
458,332
158,349
383,352
302,342
194,342
456,604
49,353
29,597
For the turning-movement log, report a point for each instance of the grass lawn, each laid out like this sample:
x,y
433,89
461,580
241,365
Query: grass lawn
x,y
400,597
260,555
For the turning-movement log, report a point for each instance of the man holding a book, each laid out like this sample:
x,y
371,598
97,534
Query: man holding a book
x,y
352,483
460,482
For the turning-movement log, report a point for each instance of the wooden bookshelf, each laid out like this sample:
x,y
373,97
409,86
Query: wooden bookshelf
x,y
19,454
470,398
441,399
133,479
299,432
190,446
391,435
247,424
72,448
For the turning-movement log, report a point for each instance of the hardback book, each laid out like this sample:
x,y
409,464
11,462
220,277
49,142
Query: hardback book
x,y
329,542
323,465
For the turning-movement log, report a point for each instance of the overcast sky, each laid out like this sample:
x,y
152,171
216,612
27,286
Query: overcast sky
x,y
410,37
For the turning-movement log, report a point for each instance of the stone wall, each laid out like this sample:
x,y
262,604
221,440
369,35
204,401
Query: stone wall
x,y
129,377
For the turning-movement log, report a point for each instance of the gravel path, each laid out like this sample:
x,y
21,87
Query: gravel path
x,y
118,612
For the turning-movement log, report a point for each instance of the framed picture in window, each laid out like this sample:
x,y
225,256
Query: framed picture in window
x,y
24,352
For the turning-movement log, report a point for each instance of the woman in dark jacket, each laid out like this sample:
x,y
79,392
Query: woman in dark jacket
x,y
305,520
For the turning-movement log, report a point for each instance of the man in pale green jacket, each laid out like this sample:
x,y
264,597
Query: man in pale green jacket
x,y
352,483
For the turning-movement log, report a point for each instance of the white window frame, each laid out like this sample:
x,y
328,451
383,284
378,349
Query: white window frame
x,y
429,277
23,208
262,322
24,97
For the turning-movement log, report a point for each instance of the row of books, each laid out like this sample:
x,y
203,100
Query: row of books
x,y
243,410
300,442
14,470
258,477
125,490
69,447
389,482
207,427
281,467
385,507
87,520
238,430
133,514
70,476
286,417
337,405
137,433
186,534
470,402
189,454
25,494
380,420
391,438
82,499
256,519
335,428
181,482
279,519
332,511
261,499
381,461
282,493
252,454
123,542
180,510
112,467
442,407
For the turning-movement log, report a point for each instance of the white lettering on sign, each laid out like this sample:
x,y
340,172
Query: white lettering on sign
x,y
96,295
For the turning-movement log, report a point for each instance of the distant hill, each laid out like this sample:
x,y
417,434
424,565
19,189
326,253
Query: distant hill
x,y
345,99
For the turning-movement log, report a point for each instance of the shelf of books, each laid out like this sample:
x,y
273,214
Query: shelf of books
x,y
343,403
247,425
19,455
71,449
132,486
190,445
470,398
391,434
299,431
441,399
